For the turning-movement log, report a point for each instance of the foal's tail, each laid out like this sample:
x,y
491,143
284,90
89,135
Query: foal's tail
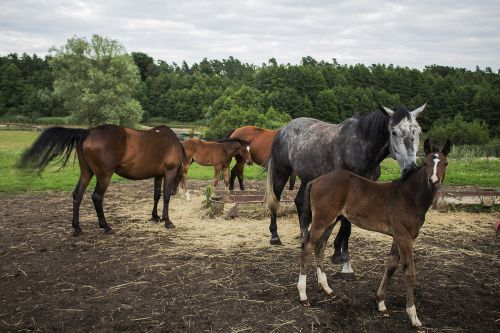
x,y
306,208
53,142
272,202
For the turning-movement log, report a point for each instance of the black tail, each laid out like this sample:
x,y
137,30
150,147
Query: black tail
x,y
52,143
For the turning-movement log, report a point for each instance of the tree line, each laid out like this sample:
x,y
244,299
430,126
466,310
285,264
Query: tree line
x,y
227,93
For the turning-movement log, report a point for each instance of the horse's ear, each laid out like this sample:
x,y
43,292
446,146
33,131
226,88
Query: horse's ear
x,y
447,147
386,111
417,111
427,147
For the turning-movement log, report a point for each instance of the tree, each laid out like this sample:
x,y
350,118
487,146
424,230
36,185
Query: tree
x,y
97,81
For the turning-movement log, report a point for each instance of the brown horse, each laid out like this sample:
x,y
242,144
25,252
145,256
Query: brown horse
x,y
261,142
217,154
397,209
109,149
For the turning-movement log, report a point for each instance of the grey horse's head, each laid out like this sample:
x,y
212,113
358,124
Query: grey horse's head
x,y
404,135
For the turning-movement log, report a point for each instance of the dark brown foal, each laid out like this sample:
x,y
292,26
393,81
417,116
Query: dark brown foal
x,y
109,149
397,209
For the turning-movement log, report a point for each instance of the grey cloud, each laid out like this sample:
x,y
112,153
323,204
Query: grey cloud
x,y
408,33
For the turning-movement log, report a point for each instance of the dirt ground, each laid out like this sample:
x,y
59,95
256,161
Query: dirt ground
x,y
222,275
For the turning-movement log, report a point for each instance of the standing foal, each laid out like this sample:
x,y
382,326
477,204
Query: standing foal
x,y
397,209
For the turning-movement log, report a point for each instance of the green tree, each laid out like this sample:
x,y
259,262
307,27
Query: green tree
x,y
459,131
97,81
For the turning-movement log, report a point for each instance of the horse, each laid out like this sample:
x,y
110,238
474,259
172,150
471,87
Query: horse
x,y
108,149
311,148
217,154
261,141
396,209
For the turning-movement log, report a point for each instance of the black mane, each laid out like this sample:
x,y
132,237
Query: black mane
x,y
242,142
373,125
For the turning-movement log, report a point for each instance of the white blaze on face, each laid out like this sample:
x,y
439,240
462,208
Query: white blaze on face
x,y
434,177
248,148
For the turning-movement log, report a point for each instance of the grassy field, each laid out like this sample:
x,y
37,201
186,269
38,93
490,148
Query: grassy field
x,y
478,172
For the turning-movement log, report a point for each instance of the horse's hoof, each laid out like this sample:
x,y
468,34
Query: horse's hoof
x,y
155,219
109,231
347,276
276,241
336,259
169,225
305,303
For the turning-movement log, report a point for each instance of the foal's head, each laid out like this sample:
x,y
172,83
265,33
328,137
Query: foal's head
x,y
404,135
436,162
244,152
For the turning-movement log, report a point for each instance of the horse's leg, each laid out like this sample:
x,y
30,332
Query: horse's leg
x,y
183,185
279,184
226,176
168,186
291,183
237,171
98,197
390,267
85,177
320,258
217,171
156,197
341,246
405,245
310,243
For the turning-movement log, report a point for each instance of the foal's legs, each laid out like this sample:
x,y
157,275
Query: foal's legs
x,y
168,186
405,245
225,170
217,172
390,268
311,243
85,177
156,197
98,197
320,258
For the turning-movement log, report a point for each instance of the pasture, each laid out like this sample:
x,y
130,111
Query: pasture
x,y
221,275
215,275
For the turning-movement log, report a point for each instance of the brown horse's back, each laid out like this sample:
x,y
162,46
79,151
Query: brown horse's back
x,y
131,153
260,139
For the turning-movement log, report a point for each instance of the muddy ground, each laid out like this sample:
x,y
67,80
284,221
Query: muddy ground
x,y
222,275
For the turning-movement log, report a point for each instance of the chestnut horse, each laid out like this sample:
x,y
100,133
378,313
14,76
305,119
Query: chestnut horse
x,y
396,209
217,154
109,149
261,142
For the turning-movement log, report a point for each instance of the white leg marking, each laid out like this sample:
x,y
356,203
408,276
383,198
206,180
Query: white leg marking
x,y
323,282
412,313
381,306
346,268
434,176
301,286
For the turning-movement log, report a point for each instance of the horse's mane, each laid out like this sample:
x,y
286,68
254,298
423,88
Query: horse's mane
x,y
372,125
242,142
375,124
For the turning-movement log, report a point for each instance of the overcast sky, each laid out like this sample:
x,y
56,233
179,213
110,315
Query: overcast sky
x,y
458,33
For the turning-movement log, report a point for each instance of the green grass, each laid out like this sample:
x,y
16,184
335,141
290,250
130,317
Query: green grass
x,y
478,172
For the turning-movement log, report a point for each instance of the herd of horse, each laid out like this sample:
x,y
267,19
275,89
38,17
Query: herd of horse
x,y
338,165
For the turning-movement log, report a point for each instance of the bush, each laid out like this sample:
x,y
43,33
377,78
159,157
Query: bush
x,y
237,116
459,131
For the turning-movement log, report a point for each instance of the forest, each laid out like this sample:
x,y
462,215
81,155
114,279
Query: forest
x,y
226,93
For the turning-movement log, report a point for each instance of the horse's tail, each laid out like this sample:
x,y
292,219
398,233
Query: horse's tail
x,y
272,202
53,142
180,171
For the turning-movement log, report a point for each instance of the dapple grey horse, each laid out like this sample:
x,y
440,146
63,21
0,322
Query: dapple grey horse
x,y
311,148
